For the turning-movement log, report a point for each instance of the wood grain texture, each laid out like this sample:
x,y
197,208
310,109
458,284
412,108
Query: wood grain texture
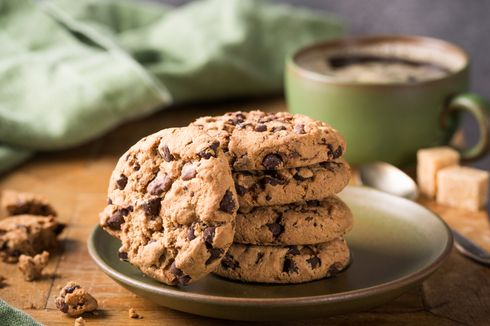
x,y
76,181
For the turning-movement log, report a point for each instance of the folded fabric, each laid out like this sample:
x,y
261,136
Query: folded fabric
x,y
72,70
13,317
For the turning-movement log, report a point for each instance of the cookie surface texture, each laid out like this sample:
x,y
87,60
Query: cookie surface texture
x,y
286,186
309,222
291,264
259,140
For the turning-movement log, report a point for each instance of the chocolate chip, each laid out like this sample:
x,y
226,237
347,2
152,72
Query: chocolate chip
x,y
109,201
209,235
240,190
228,262
261,127
152,207
122,182
260,255
209,152
276,229
123,255
214,146
227,204
72,288
165,153
273,181
184,280
314,262
180,277
289,266
59,228
136,166
334,269
114,222
272,161
335,153
175,271
299,129
15,253
190,234
313,203
159,185
278,128
268,197
236,119
215,253
294,154
298,177
188,172
62,306
293,250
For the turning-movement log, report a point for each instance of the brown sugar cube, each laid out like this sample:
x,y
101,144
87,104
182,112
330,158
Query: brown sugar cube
x,y
429,162
462,187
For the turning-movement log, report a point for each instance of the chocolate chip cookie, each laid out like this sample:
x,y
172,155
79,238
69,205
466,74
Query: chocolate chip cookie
x,y
266,188
74,300
28,235
303,223
20,203
291,264
258,140
172,202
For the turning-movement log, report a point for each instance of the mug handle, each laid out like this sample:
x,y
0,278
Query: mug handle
x,y
479,109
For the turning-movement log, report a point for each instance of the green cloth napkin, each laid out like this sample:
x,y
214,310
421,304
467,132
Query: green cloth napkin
x,y
13,317
72,70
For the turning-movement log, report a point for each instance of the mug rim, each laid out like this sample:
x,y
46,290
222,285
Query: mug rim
x,y
424,41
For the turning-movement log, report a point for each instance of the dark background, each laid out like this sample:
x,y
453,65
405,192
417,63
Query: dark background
x,y
464,22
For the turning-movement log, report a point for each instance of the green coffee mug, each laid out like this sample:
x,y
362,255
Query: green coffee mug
x,y
388,121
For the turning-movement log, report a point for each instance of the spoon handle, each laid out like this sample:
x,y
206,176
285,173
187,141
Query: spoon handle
x,y
470,249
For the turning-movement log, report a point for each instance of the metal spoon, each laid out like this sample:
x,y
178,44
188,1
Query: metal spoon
x,y
390,179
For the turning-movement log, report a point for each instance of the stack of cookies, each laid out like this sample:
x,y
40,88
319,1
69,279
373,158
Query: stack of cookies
x,y
249,196
287,169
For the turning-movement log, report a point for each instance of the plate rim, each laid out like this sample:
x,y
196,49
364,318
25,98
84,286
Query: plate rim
x,y
382,288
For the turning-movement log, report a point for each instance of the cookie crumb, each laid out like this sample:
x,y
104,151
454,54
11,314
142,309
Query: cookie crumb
x,y
80,321
19,203
133,314
28,235
2,282
73,300
32,267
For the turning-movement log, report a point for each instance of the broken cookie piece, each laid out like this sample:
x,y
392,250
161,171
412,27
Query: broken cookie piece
x,y
32,267
27,235
73,300
133,314
19,203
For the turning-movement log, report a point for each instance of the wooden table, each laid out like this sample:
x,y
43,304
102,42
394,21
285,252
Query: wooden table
x,y
76,182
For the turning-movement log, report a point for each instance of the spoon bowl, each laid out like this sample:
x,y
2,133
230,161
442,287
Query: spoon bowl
x,y
388,178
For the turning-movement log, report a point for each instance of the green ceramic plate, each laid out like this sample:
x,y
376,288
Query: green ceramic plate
x,y
395,244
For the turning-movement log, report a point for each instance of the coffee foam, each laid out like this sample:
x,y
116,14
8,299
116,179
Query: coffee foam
x,y
316,59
